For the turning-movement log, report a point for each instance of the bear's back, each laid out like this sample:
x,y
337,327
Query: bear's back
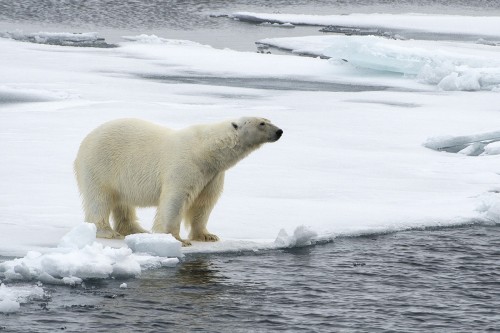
x,y
126,155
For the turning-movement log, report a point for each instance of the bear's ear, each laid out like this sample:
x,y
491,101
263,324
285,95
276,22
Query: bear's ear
x,y
235,125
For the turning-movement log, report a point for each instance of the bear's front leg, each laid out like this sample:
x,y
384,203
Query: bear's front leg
x,y
198,213
169,216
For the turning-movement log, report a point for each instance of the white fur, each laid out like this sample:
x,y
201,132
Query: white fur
x,y
130,163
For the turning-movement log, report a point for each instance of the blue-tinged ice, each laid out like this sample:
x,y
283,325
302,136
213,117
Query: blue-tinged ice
x,y
470,145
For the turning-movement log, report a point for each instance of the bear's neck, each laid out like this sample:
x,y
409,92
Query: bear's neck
x,y
222,150
227,157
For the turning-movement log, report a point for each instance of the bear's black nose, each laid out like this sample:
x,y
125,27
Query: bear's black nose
x,y
279,133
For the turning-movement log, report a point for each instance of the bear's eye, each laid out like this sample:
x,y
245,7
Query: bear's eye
x,y
262,124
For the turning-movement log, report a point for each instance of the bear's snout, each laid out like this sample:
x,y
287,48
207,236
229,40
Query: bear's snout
x,y
279,133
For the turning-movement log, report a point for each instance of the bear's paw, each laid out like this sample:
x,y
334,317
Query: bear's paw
x,y
206,237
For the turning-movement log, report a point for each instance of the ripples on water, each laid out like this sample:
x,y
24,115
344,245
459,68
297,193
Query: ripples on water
x,y
442,280
128,14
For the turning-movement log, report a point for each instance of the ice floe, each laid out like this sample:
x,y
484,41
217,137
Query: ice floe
x,y
448,24
352,163
85,39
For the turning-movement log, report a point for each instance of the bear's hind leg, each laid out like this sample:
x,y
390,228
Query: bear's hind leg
x,y
125,221
197,215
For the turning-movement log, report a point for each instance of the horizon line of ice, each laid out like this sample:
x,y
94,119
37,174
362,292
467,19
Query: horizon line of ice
x,y
450,24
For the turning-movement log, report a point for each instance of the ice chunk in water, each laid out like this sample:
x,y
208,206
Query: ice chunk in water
x,y
163,245
9,306
12,297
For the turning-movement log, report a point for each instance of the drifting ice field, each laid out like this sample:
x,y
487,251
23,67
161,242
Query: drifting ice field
x,y
365,148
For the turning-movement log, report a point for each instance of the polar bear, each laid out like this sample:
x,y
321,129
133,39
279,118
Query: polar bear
x,y
130,163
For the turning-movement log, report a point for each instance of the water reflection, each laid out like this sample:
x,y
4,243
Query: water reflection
x,y
198,272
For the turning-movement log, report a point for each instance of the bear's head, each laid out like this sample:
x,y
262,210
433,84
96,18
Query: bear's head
x,y
256,131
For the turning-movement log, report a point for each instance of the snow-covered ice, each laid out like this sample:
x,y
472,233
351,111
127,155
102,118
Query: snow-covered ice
x,y
349,162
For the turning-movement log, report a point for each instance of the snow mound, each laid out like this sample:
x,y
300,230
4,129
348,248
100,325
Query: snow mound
x,y
489,206
492,148
302,236
470,145
163,245
79,257
451,66
80,236
72,266
12,297
86,39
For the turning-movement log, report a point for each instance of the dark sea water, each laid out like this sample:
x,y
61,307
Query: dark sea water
x,y
433,280
436,280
